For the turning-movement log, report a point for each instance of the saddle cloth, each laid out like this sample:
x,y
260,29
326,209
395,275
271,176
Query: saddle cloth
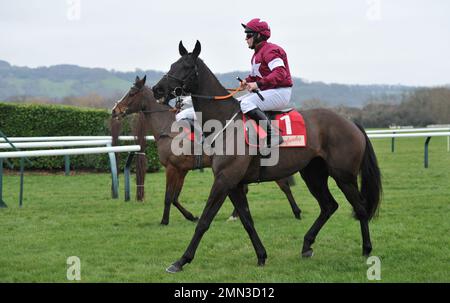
x,y
291,125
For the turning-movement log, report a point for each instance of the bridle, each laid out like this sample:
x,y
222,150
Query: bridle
x,y
183,90
142,107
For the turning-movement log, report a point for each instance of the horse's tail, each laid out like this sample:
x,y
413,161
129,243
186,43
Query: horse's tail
x,y
371,187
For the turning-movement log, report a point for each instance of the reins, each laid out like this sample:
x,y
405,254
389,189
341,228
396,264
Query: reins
x,y
179,90
156,111
234,92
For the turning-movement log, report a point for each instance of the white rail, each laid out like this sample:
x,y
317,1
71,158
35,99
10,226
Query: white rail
x,y
41,144
71,151
408,130
71,138
413,135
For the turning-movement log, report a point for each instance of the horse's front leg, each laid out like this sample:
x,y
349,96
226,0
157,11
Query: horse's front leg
x,y
219,192
239,199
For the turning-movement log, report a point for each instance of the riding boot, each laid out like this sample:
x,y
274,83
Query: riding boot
x,y
272,139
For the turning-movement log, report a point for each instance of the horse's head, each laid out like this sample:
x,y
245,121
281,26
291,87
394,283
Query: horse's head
x,y
182,77
133,101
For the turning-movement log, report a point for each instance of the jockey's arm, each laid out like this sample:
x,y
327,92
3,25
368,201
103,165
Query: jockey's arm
x,y
277,75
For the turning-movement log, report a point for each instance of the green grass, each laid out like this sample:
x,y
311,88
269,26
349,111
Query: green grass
x,y
123,242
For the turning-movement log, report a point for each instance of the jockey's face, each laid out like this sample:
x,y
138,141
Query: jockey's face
x,y
249,41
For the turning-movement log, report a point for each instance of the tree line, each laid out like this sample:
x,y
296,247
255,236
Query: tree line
x,y
421,107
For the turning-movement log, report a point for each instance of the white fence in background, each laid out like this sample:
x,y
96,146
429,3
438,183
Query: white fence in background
x,y
71,138
420,133
408,130
41,144
408,134
102,143
70,151
411,135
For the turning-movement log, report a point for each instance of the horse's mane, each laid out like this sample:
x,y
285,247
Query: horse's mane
x,y
214,77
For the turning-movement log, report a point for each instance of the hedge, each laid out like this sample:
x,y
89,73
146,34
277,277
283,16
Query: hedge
x,y
38,120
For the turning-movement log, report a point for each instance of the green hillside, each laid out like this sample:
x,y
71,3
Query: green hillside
x,y
59,81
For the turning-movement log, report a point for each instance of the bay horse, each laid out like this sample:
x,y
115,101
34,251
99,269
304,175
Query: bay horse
x,y
336,148
158,118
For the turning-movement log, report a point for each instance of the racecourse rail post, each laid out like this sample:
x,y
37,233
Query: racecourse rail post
x,y
393,143
115,179
2,203
126,173
22,165
67,165
427,141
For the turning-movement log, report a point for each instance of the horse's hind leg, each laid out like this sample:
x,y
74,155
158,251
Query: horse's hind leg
x,y
286,188
178,187
351,192
315,176
235,215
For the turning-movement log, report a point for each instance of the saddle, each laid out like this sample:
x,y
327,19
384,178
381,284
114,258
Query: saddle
x,y
271,114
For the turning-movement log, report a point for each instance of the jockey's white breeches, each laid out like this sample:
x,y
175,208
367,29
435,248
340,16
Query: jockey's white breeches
x,y
188,113
274,99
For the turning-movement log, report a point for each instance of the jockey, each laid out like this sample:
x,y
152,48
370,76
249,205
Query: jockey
x,y
270,76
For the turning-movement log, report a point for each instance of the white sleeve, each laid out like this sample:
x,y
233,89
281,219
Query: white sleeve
x,y
275,63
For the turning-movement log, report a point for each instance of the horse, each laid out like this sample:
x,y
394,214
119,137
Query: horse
x,y
336,148
158,119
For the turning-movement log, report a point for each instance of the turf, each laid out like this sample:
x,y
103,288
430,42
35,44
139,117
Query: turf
x,y
119,241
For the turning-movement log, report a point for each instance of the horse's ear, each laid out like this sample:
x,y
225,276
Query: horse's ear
x,y
137,79
182,49
143,80
197,49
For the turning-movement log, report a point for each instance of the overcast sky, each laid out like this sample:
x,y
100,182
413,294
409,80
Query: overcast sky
x,y
348,41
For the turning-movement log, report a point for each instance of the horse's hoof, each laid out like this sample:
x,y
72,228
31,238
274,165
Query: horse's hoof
x,y
194,219
308,254
261,262
164,222
232,218
298,216
174,268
